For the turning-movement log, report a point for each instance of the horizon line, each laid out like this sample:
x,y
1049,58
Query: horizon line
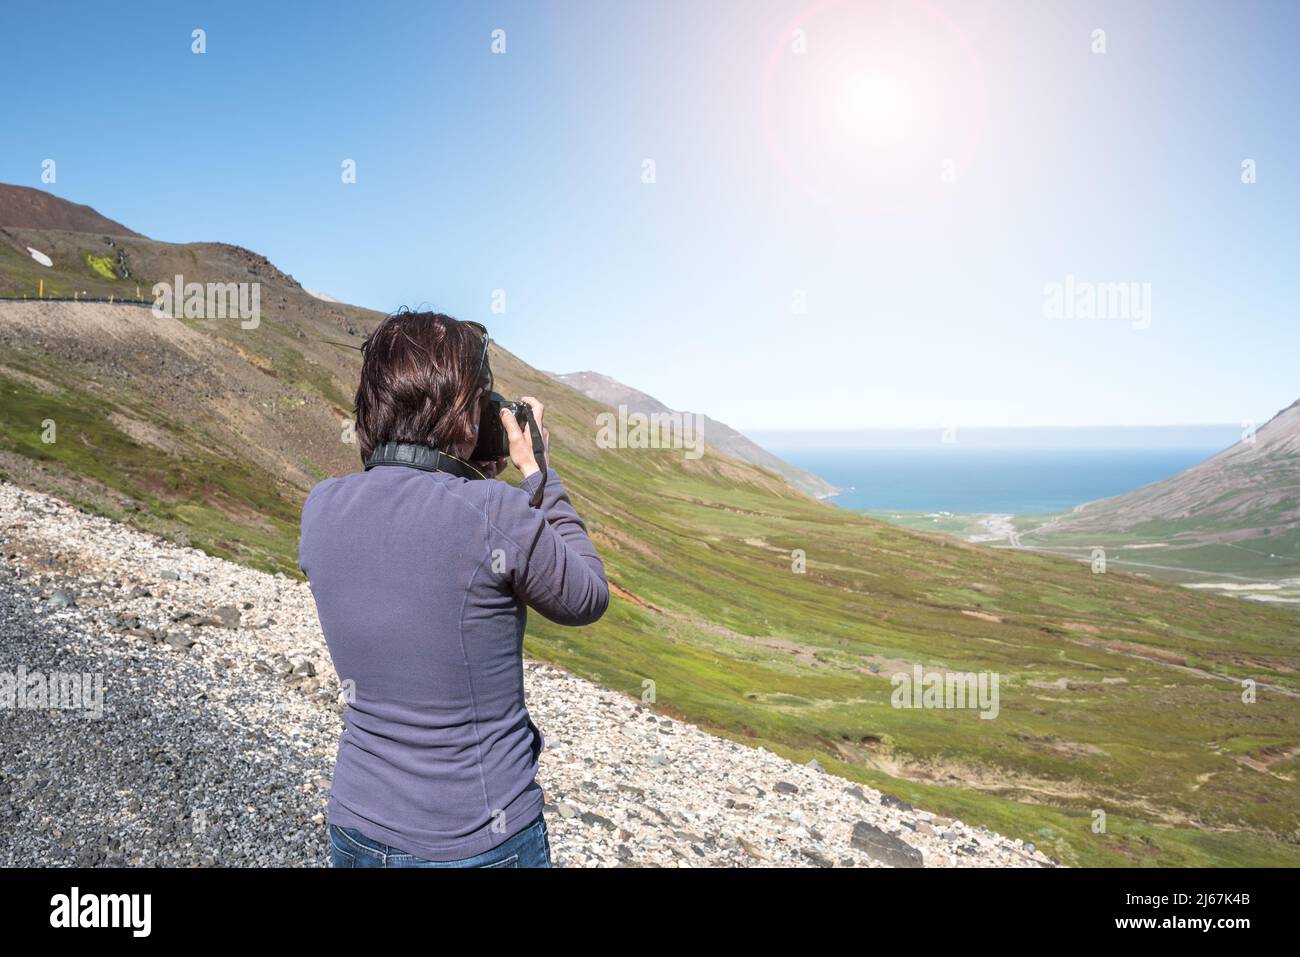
x,y
970,428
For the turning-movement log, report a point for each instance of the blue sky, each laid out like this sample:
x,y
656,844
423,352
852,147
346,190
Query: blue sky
x,y
782,176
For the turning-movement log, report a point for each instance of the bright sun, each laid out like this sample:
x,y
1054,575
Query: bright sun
x,y
875,105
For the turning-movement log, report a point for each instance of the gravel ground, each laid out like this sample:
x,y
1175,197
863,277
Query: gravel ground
x,y
213,739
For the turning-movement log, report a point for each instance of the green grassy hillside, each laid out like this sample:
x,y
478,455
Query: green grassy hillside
x,y
1117,694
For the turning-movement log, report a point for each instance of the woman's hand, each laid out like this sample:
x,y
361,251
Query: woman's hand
x,y
521,440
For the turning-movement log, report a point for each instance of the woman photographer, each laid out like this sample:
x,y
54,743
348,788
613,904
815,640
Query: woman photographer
x,y
422,568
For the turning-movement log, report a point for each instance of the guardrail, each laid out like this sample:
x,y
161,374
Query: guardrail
x,y
111,300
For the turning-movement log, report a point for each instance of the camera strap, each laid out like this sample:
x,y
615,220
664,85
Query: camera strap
x,y
539,453
423,457
428,459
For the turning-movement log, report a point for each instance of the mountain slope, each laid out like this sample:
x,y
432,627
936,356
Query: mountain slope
x,y
1117,693
24,207
1236,513
717,435
623,785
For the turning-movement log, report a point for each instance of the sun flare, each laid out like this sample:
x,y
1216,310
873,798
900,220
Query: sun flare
x,y
875,105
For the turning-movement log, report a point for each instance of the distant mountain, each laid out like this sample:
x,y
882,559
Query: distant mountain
x,y
1237,511
26,208
717,434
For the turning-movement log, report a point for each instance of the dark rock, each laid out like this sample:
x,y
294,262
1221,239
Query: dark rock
x,y
228,615
884,847
817,859
888,800
63,599
659,814
785,787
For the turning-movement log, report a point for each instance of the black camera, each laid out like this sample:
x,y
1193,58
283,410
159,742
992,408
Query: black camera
x,y
493,442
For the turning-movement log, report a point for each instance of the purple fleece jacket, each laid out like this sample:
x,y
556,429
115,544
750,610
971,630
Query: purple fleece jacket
x,y
421,581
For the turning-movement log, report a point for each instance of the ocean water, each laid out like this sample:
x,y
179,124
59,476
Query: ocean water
x,y
1018,481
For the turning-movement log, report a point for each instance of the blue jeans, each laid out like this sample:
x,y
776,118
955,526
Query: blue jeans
x,y
531,847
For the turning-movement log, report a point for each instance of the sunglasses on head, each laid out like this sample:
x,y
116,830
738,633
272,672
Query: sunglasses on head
x,y
484,370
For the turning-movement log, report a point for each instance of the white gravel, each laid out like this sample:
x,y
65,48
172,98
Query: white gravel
x,y
220,721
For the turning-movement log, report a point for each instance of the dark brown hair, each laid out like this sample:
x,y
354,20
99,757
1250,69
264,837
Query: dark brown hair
x,y
419,382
